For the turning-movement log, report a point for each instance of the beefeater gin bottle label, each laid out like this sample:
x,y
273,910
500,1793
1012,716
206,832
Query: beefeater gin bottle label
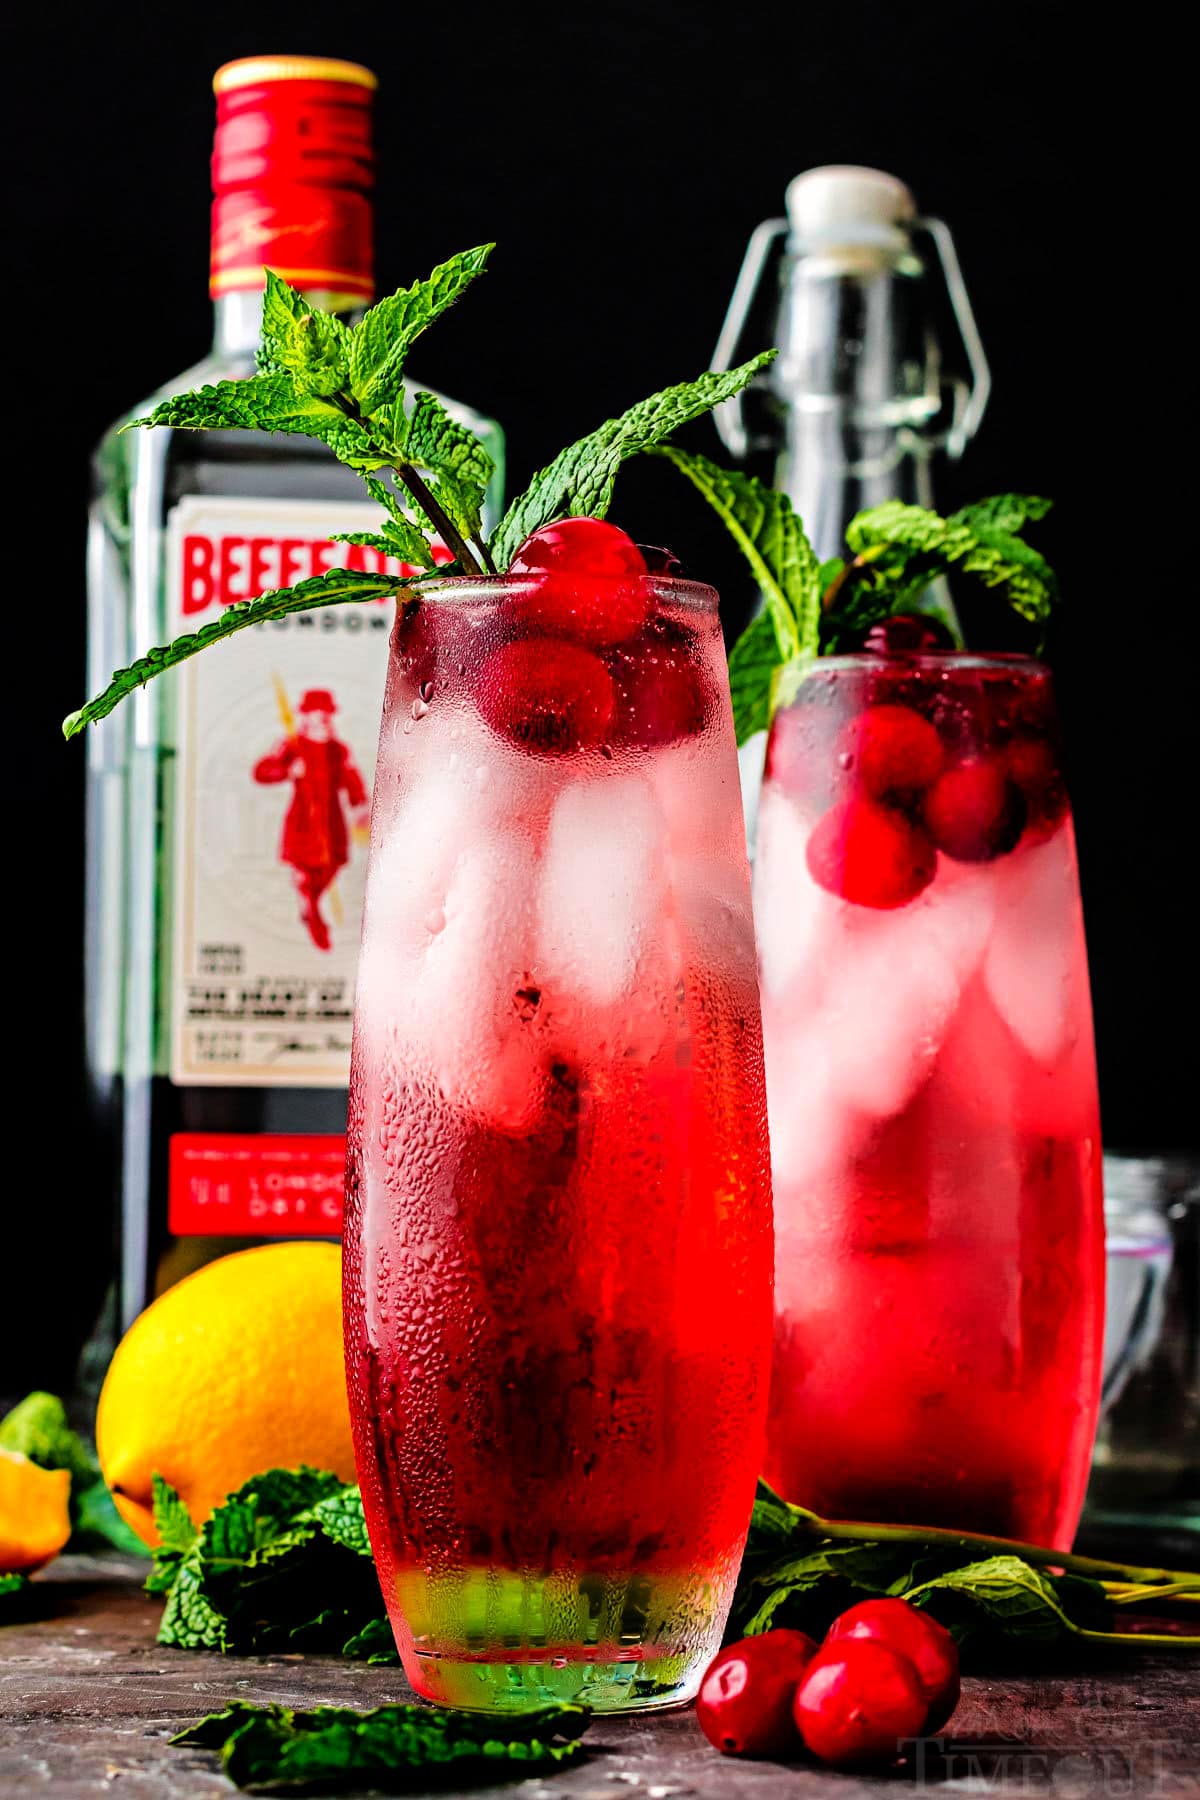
x,y
275,755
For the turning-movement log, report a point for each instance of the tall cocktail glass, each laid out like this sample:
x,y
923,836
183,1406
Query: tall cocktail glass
x,y
932,1097
558,1236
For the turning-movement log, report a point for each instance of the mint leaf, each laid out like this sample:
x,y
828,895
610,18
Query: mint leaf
x,y
283,1564
373,540
807,1593
753,663
272,1747
337,587
1003,512
190,1621
272,1500
1001,1596
580,479
11,1589
177,1534
434,441
375,1643
96,1521
37,1428
340,1517
399,536
310,345
908,547
283,308
381,341
172,1520
272,402
767,530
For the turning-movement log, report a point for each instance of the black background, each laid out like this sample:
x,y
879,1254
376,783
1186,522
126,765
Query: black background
x,y
621,155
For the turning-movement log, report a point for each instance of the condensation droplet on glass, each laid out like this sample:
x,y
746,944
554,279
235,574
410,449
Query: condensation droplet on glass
x,y
427,691
483,774
435,920
418,709
845,759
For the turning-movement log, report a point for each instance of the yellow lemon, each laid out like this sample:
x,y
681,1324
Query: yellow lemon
x,y
34,1521
234,1370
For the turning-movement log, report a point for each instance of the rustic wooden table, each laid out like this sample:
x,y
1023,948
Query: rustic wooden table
x,y
88,1701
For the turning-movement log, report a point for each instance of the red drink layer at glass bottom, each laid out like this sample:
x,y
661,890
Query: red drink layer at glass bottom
x,y
932,1097
558,1250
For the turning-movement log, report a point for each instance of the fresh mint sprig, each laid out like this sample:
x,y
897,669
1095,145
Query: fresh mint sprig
x,y
283,1564
801,1571
895,553
318,377
389,1749
768,531
344,385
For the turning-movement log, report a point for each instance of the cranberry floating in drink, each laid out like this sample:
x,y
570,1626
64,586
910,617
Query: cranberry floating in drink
x,y
932,1094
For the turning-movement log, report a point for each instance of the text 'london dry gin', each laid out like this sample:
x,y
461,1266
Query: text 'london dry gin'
x,y
227,805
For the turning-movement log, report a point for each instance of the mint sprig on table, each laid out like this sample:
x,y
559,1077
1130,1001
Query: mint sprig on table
x,y
895,552
388,1749
283,1564
993,1594
344,385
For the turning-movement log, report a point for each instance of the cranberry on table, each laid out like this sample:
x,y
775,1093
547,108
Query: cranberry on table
x,y
590,581
928,1646
914,634
745,1702
893,750
870,854
857,1702
547,694
975,811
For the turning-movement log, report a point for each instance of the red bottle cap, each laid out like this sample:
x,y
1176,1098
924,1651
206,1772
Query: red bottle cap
x,y
293,168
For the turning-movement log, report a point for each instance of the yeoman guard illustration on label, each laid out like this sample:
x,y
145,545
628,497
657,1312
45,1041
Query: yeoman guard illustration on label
x,y
325,782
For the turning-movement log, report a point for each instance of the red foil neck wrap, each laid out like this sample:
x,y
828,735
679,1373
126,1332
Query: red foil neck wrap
x,y
293,168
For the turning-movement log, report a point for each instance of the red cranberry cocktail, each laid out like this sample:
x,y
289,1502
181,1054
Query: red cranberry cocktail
x,y
558,1240
932,1095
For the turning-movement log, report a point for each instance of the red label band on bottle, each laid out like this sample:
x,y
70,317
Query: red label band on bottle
x,y
293,170
226,1185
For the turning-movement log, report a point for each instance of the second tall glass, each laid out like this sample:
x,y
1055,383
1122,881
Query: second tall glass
x,y
932,1090
558,1235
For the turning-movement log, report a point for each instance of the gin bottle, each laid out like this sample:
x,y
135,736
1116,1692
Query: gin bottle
x,y
855,290
225,804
